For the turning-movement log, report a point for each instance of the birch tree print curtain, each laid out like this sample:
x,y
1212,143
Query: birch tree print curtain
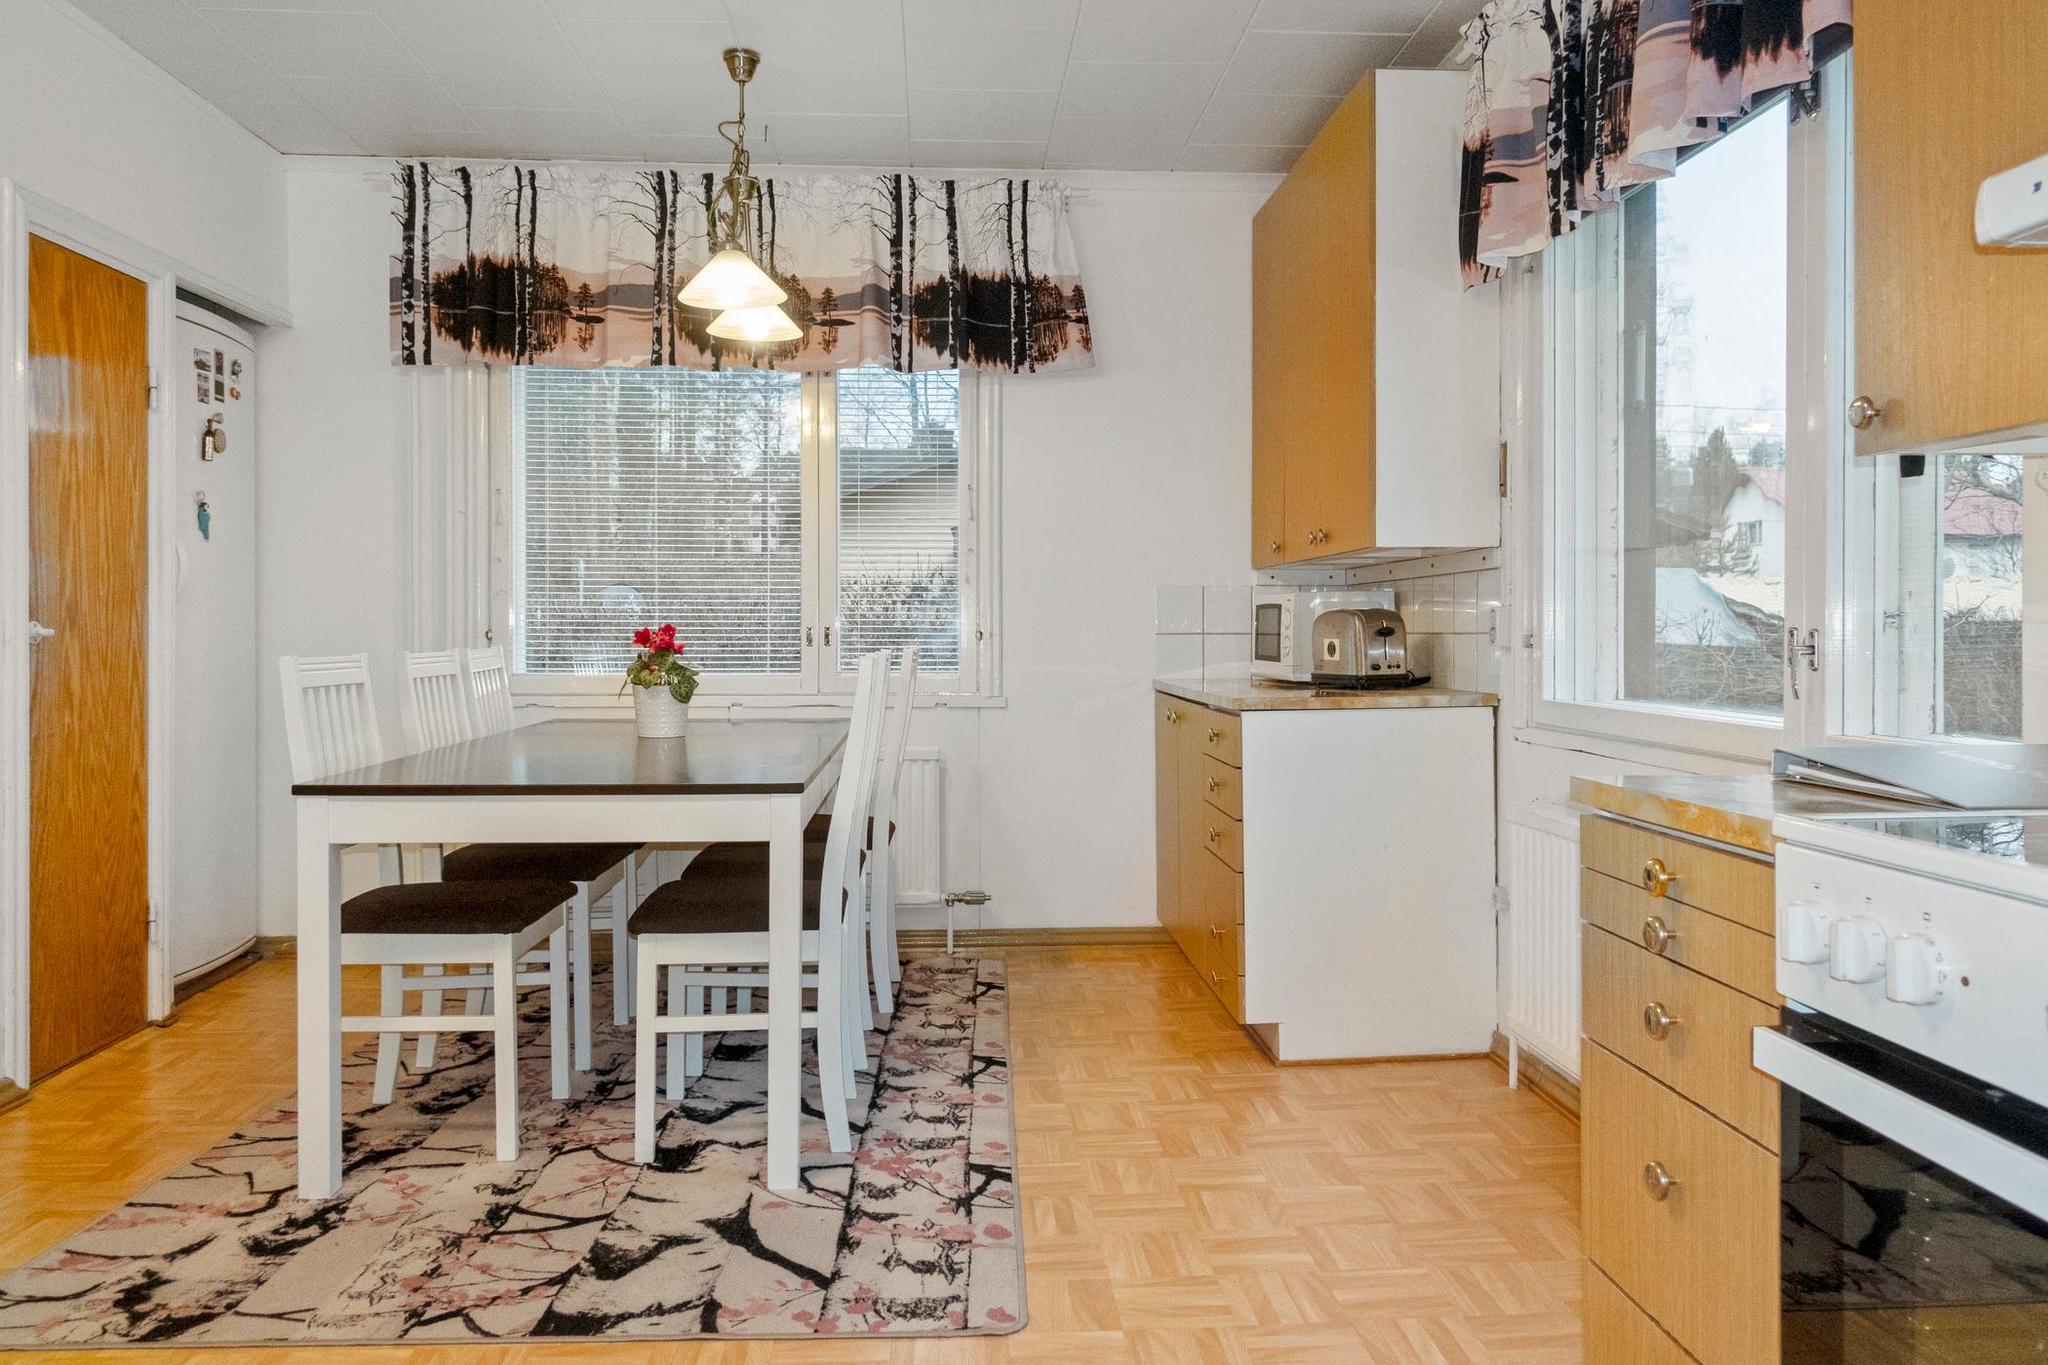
x,y
1573,101
557,264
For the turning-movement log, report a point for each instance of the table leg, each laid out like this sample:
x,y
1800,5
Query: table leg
x,y
785,989
319,999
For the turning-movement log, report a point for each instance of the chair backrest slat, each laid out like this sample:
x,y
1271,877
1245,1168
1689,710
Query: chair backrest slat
x,y
895,738
330,715
436,703
854,801
490,690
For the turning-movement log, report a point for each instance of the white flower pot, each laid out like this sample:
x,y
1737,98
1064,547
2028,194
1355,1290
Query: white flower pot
x,y
658,715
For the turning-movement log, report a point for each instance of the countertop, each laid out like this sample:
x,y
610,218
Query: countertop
x,y
1238,691
1735,810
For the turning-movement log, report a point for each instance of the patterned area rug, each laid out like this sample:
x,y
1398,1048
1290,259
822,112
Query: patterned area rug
x,y
915,1234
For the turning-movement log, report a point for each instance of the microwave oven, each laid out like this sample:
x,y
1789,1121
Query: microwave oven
x,y
1284,623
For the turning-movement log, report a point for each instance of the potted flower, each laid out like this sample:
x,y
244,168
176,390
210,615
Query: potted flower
x,y
662,683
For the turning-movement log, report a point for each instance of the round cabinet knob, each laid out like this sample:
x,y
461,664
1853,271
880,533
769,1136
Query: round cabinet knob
x,y
1215,931
1917,971
1658,936
1172,716
1211,783
1658,879
1856,949
1214,836
1274,546
1658,1021
1803,932
1214,735
1657,1181
1863,412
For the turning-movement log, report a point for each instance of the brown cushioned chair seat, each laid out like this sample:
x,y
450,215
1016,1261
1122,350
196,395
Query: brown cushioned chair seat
x,y
452,907
724,890
820,828
524,862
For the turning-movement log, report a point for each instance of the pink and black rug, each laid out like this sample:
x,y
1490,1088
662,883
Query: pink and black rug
x,y
430,1240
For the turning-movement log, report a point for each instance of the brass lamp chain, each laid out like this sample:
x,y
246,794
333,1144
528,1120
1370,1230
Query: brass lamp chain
x,y
736,225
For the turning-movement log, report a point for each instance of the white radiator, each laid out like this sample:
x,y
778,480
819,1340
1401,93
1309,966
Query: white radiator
x,y
919,866
1540,941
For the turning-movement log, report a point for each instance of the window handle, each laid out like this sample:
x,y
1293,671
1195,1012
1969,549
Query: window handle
x,y
810,638
1792,659
828,634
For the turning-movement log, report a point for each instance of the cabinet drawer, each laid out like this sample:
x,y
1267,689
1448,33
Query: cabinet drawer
x,y
1223,837
1222,734
1670,868
1223,787
1703,1259
1619,1333
1703,1053
1225,906
1731,953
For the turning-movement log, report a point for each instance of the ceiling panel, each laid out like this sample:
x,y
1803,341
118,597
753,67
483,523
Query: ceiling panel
x,y
1158,90
1198,85
983,115
319,43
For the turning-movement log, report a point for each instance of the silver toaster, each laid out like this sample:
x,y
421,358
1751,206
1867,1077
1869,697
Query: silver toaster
x,y
1361,646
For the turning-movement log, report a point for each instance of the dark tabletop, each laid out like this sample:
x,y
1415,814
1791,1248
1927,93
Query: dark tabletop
x,y
606,757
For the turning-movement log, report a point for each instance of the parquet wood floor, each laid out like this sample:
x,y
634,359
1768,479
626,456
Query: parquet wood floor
x,y
1185,1202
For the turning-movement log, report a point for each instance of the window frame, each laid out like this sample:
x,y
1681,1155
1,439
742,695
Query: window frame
x,y
1570,413
818,683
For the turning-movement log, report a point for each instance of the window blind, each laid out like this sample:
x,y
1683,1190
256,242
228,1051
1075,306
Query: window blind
x,y
899,515
656,495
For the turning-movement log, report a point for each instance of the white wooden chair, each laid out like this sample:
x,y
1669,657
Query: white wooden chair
x,y
881,838
490,689
448,694
331,726
716,916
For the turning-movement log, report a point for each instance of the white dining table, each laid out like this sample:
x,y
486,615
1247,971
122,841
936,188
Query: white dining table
x,y
565,781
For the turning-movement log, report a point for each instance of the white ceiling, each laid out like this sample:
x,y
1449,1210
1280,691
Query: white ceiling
x,y
1193,85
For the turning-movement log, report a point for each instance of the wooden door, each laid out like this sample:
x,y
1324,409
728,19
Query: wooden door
x,y
88,476
1166,728
1328,436
1949,335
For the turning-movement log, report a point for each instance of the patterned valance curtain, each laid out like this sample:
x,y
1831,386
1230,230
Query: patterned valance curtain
x,y
1573,101
558,264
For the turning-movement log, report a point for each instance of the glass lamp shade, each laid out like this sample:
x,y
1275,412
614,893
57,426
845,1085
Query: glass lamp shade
x,y
731,280
756,326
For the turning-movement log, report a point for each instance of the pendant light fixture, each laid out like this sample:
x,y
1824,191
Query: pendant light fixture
x,y
732,281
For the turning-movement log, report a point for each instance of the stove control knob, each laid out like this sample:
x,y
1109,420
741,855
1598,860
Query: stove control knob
x,y
1917,971
1803,931
1856,949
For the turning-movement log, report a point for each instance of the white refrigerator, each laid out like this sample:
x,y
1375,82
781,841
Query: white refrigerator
x,y
211,914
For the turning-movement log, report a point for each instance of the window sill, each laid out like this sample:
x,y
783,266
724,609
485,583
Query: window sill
x,y
1750,739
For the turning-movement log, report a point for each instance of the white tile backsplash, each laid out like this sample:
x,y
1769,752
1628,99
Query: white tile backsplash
x,y
1227,609
1226,651
1176,654
1179,609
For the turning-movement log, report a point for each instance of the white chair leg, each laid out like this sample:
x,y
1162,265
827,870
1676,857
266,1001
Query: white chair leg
x,y
558,1012
882,935
625,900
390,1002
648,990
835,1081
430,1003
853,993
505,1050
579,958
678,1080
692,1043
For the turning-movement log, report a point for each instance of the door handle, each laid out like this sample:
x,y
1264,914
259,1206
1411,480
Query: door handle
x,y
38,632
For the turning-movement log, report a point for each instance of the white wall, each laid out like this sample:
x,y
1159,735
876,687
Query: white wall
x,y
1130,475
87,123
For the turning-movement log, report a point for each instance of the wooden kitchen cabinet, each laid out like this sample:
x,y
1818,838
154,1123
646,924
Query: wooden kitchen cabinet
x,y
1375,374
1678,961
1949,337
1287,881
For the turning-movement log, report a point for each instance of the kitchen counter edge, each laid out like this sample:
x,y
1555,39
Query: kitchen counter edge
x,y
1238,695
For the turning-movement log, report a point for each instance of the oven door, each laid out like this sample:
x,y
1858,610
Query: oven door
x,y
1912,1210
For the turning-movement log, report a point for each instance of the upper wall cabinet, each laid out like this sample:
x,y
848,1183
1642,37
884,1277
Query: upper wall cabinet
x,y
1951,342
1375,374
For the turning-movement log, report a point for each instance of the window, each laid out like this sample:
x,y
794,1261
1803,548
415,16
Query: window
x,y
1666,520
787,524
